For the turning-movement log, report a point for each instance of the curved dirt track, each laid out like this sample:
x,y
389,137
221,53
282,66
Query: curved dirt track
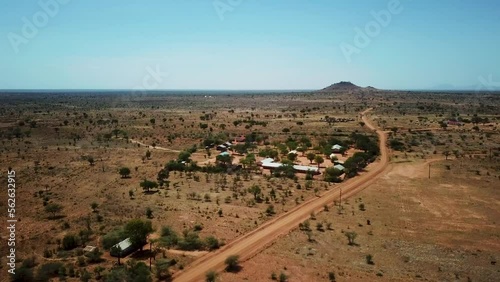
x,y
251,243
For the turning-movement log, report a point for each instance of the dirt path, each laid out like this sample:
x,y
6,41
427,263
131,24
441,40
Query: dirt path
x,y
253,242
160,148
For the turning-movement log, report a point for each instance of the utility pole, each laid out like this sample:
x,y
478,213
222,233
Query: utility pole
x,y
340,202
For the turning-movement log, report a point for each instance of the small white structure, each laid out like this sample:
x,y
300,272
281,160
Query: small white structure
x,y
267,160
304,168
336,148
271,165
293,152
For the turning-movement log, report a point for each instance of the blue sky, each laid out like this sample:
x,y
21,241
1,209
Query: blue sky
x,y
247,44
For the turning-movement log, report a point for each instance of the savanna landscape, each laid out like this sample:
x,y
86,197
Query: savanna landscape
x,y
341,184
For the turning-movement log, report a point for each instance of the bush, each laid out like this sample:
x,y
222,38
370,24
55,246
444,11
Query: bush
x,y
283,277
23,274
369,259
212,243
113,238
210,276
232,263
48,270
191,242
69,242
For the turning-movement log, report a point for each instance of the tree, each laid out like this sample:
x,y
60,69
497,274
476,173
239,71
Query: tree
x,y
331,276
311,157
53,209
302,149
255,190
149,212
124,172
69,242
283,277
184,156
319,160
138,230
162,266
147,185
351,236
446,154
332,174
211,276
224,159
94,206
91,160
232,263
117,251
148,154
292,157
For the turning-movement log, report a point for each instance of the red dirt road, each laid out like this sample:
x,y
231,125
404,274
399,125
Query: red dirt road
x,y
251,243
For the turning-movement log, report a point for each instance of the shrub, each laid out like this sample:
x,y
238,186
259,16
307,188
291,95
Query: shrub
x,y
48,270
369,259
232,263
210,276
69,242
212,243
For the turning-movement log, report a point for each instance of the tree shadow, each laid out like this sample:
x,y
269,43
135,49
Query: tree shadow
x,y
234,269
141,255
150,192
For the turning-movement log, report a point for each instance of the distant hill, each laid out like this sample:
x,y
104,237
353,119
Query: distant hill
x,y
345,86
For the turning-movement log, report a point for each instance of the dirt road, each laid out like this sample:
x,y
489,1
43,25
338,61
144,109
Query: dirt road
x,y
251,243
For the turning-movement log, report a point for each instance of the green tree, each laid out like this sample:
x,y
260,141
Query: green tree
x,y
148,154
232,263
255,190
292,157
311,156
184,156
162,266
91,160
332,174
224,159
319,160
124,172
147,185
211,276
138,230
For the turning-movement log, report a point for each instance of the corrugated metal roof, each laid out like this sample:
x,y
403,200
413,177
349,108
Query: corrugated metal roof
x,y
124,244
267,160
271,165
305,168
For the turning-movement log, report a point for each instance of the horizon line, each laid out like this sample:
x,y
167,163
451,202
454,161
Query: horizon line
x,y
211,90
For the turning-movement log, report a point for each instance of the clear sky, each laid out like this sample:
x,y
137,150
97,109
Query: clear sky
x,y
247,44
